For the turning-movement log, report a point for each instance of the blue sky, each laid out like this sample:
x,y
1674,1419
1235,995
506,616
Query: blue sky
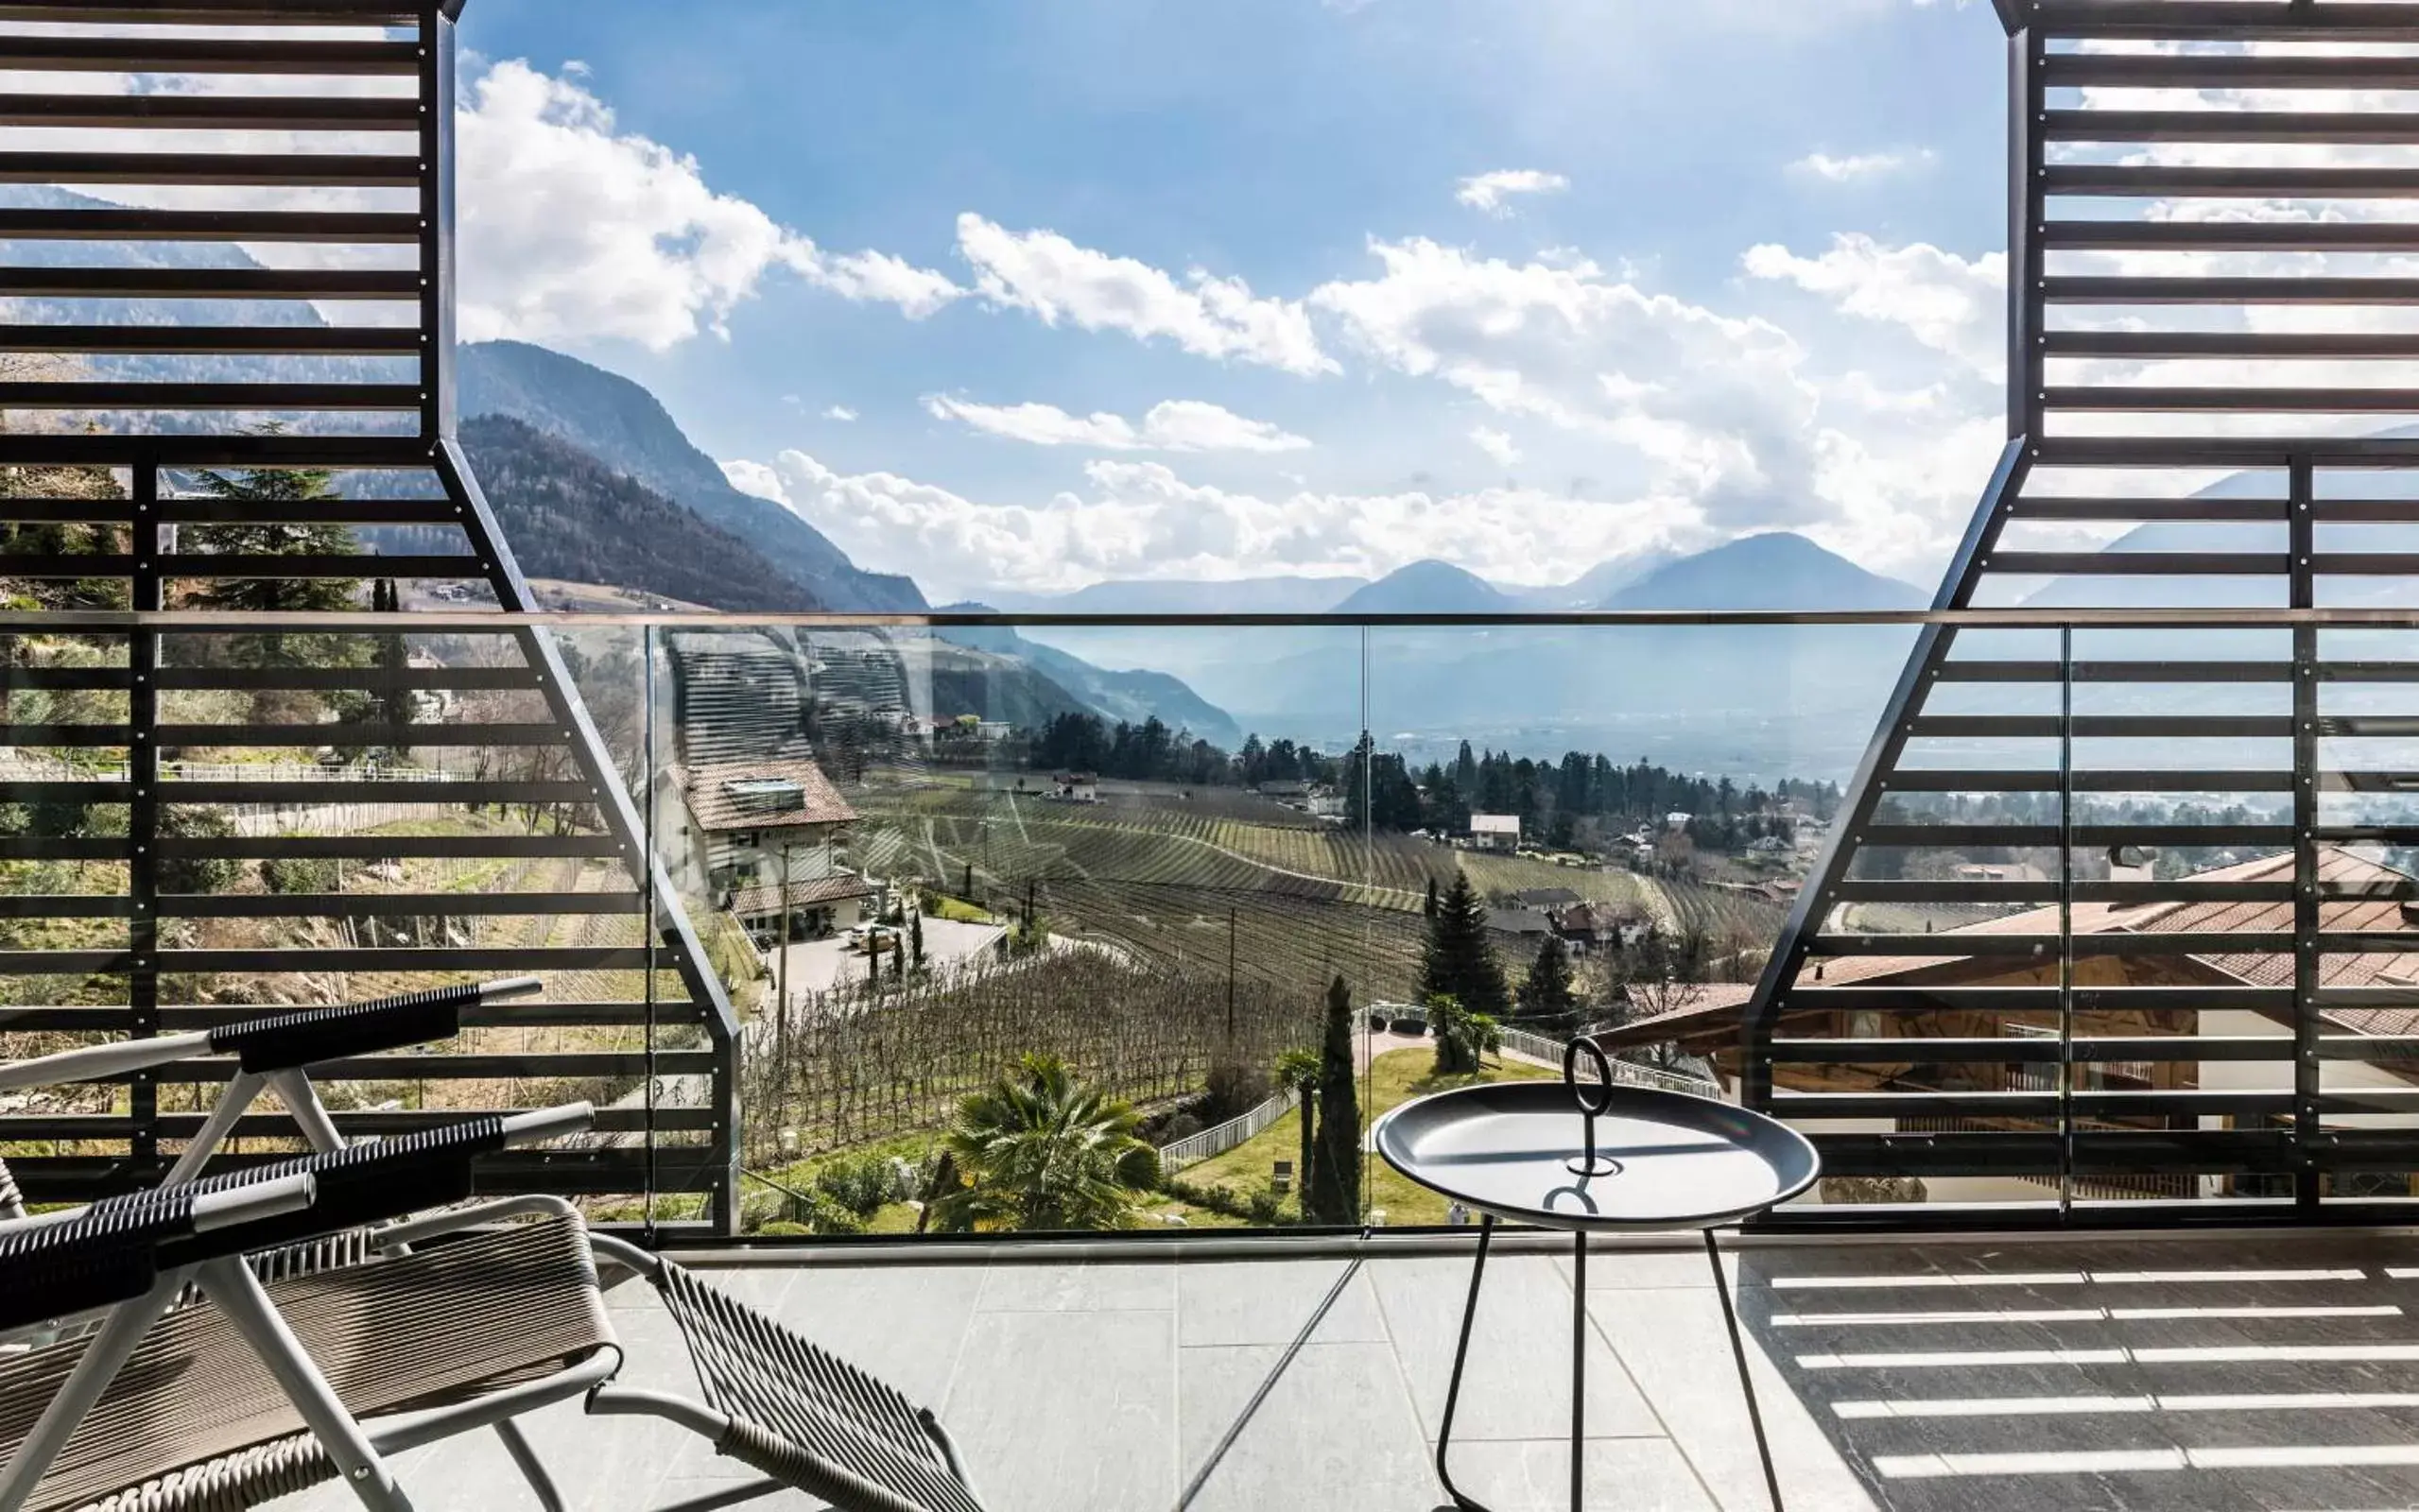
x,y
1118,288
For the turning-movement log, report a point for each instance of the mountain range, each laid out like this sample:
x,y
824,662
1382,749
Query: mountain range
x,y
1773,570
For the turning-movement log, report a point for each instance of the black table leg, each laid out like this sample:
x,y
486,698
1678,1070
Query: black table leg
x,y
1461,1352
1739,1352
1579,1366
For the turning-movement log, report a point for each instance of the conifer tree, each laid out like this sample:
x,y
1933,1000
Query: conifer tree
x,y
1334,1194
1457,962
1546,995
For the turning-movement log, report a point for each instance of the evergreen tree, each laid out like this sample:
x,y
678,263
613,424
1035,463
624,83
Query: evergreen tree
x,y
1334,1194
282,489
1546,995
915,936
1457,962
1428,910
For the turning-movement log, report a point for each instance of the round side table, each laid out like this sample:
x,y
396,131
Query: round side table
x,y
1594,1157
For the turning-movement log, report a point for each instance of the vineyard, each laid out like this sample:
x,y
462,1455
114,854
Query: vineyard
x,y
865,1063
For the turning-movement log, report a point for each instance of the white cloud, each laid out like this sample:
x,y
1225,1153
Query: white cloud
x,y
1497,444
839,412
1714,407
1171,425
1949,303
1490,192
1054,279
1142,520
572,230
1863,164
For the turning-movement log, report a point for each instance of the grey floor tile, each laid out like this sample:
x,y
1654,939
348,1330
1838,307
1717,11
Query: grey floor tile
x,y
1517,1382
1080,1288
1335,1433
1068,1412
1674,1344
1256,1302
1533,1475
902,1323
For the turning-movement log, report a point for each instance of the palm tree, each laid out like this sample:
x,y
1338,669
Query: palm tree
x,y
1296,1071
1040,1148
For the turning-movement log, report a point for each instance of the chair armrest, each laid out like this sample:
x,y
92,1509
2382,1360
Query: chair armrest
x,y
280,1041
114,1251
288,1041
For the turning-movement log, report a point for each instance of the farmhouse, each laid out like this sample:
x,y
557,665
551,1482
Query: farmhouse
x,y
772,827
1076,787
1711,1029
1589,928
1495,832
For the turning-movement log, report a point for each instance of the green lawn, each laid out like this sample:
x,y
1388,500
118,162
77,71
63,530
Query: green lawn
x,y
1395,1078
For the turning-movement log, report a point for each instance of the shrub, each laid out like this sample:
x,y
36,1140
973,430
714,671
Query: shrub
x,y
293,874
861,1186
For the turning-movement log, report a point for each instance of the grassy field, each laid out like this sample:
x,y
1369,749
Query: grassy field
x,y
1395,1078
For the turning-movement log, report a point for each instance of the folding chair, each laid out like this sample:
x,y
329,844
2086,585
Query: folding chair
x,y
248,1354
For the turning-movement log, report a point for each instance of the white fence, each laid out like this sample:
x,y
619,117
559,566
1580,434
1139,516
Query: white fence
x,y
1540,1047
1225,1136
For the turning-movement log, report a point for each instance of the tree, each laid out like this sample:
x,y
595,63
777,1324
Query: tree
x,y
281,489
1662,973
1461,1037
1039,1149
1546,995
1428,910
1334,1194
1296,1071
1457,962
915,937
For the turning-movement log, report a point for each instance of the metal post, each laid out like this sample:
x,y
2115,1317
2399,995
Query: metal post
x,y
2026,170
1578,1362
1746,1382
2066,920
143,813
1461,1356
2307,1132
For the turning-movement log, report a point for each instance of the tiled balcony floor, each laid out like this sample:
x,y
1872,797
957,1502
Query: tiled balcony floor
x,y
2221,1373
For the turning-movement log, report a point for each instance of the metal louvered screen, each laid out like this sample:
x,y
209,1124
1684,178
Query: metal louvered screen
x,y
2163,952
226,255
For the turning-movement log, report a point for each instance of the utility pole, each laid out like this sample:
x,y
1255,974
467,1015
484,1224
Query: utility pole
x,y
1230,973
781,1022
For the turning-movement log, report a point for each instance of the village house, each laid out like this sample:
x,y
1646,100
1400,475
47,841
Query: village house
x,y
2115,946
1590,929
1494,832
771,832
1076,787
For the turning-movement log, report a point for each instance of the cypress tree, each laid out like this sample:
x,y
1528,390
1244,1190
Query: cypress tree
x,y
1428,910
1333,1195
1457,962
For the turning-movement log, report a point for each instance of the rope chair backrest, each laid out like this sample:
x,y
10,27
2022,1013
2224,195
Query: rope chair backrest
x,y
12,1203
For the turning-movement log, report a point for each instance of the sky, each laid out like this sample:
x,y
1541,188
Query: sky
x,y
1035,295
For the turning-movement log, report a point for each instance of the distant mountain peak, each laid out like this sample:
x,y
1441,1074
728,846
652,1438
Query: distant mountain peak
x,y
1429,587
1772,570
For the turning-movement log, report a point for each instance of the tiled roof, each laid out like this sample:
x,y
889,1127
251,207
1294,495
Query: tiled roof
x,y
764,897
717,798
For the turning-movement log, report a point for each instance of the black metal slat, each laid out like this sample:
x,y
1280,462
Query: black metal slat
x,y
528,959
2259,511
214,340
1906,780
212,113
2087,1050
216,12
2206,71
115,396
2369,21
311,511
249,170
2230,236
1962,943
2333,128
132,53
405,737
2230,346
366,565
2129,289
2138,563
460,680
395,905
379,847
2096,727
2127,399
461,794
204,283
362,228
2275,181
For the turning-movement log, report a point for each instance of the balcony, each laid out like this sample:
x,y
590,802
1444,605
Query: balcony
x,y
2192,1372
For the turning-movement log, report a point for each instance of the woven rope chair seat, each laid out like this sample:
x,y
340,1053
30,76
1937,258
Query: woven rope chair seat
x,y
194,1421
805,1416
